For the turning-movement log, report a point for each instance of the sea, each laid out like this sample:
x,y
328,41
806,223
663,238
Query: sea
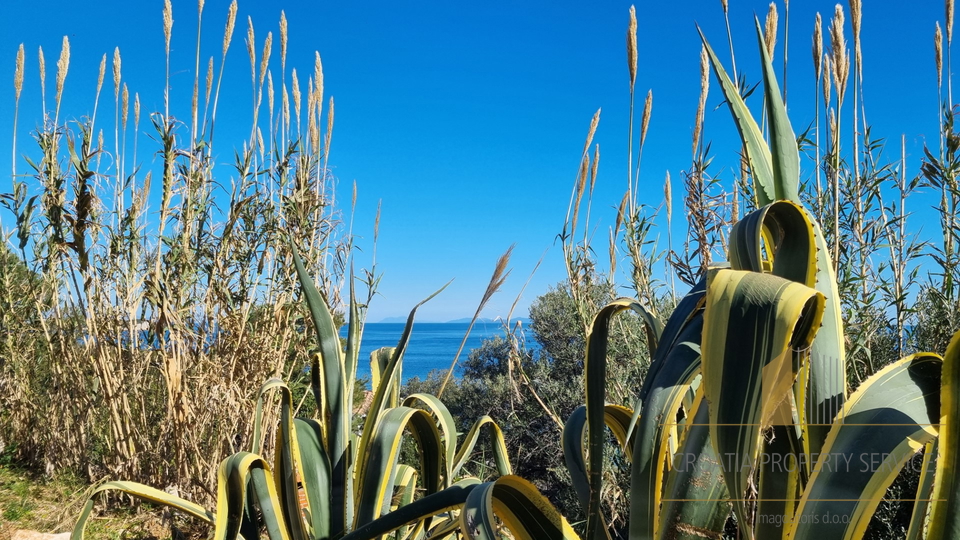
x,y
432,345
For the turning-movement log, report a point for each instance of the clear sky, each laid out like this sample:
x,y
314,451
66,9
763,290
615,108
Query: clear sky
x,y
467,119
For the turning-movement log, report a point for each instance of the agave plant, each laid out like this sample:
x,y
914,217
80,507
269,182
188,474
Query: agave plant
x,y
745,407
327,482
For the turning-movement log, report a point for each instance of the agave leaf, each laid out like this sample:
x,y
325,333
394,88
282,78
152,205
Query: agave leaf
x,y
521,508
234,475
594,371
793,247
785,156
617,418
448,428
681,365
316,474
354,337
757,151
921,503
378,471
500,456
667,384
887,420
142,492
430,505
387,387
287,461
329,383
695,497
945,505
753,323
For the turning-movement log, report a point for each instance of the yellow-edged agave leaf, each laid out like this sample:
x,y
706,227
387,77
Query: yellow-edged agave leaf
x,y
758,154
522,509
617,418
657,421
921,504
386,390
890,417
448,428
287,461
784,154
354,337
329,384
314,467
781,480
378,471
668,382
434,504
945,502
405,489
793,247
753,326
142,492
594,372
695,497
500,456
235,474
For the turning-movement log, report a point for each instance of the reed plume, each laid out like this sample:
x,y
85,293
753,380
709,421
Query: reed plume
x,y
500,273
632,47
63,64
770,29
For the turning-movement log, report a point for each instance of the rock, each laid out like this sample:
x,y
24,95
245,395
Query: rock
x,y
23,534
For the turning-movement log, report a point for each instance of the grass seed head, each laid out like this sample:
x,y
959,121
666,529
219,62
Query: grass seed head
x,y
949,9
827,72
63,64
116,72
296,93
265,60
283,40
723,4
209,78
318,77
18,73
938,51
167,22
103,70
136,109
668,196
818,46
770,29
632,47
645,119
43,67
270,91
125,104
250,50
231,22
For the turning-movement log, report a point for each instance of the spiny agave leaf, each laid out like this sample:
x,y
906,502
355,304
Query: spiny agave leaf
x,y
316,474
753,324
758,153
287,461
389,379
795,249
617,418
448,428
891,416
430,505
945,506
785,156
671,374
780,480
406,488
522,509
145,493
377,471
234,475
695,497
918,519
328,380
689,309
496,440
595,372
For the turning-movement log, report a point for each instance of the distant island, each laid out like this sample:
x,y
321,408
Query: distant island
x,y
524,320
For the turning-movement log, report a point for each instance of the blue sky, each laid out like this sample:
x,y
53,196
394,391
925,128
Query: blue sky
x,y
467,120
